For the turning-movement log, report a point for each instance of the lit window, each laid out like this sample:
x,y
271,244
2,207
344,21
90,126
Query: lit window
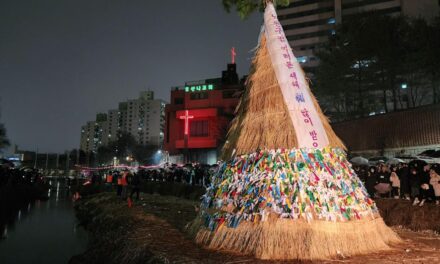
x,y
302,59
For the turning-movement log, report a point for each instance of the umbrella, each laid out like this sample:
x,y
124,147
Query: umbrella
x,y
395,161
359,161
417,163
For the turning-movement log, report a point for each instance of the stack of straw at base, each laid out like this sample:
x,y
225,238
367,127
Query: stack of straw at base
x,y
285,201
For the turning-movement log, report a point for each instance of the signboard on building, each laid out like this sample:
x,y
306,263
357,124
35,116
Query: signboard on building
x,y
199,88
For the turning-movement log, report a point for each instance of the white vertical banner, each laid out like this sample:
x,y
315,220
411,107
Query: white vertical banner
x,y
309,129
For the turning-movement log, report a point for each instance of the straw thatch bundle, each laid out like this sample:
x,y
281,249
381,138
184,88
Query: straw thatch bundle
x,y
284,239
262,120
275,199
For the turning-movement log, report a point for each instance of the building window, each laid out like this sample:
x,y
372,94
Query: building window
x,y
307,13
178,101
301,3
309,35
319,22
199,128
363,3
199,96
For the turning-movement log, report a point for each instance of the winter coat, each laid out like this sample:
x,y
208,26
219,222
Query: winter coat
x,y
394,179
404,175
435,182
415,180
370,182
383,177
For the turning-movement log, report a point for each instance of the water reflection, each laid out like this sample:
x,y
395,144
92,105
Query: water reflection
x,y
43,231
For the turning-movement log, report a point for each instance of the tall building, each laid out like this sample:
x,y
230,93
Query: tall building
x,y
93,134
198,117
309,23
143,118
146,119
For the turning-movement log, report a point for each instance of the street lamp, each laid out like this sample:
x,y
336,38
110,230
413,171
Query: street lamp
x,y
404,85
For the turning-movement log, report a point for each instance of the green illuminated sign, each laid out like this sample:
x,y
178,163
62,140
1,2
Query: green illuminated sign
x,y
199,88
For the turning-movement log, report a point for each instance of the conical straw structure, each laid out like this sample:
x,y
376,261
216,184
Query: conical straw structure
x,y
262,119
286,193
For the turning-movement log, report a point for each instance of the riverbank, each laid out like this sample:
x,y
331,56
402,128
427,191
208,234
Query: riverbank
x,y
153,231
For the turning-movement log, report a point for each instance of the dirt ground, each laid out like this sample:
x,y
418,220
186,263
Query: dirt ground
x,y
160,221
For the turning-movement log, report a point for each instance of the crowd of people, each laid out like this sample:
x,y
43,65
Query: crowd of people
x,y
415,181
127,182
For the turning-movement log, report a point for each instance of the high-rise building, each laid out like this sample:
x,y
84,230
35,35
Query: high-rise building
x,y
309,23
93,134
146,119
143,118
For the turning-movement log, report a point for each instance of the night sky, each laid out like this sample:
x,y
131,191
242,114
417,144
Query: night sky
x,y
62,61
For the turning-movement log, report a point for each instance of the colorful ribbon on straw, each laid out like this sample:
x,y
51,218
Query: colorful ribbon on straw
x,y
310,184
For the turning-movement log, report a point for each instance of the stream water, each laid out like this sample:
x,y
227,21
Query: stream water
x,y
42,231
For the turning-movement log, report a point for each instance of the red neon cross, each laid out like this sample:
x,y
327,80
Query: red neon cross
x,y
233,54
187,118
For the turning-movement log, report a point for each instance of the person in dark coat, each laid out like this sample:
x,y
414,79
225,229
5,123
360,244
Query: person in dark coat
x,y
118,178
414,182
426,189
371,181
135,182
405,188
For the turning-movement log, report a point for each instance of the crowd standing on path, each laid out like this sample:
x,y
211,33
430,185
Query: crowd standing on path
x,y
413,181
127,183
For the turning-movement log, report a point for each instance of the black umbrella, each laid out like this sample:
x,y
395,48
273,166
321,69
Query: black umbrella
x,y
417,163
